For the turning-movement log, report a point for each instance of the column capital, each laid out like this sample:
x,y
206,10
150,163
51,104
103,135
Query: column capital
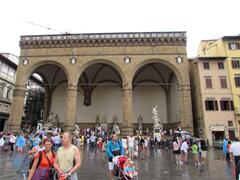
x,y
184,87
19,91
127,86
72,87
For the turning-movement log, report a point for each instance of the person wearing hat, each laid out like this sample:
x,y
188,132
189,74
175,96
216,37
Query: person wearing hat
x,y
235,151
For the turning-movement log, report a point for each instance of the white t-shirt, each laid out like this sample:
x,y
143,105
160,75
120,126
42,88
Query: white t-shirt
x,y
184,147
57,140
124,143
235,148
12,139
131,142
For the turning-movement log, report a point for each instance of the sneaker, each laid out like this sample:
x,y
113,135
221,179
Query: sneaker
x,y
180,162
199,164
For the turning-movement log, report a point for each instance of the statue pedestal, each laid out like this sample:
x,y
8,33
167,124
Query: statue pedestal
x,y
157,133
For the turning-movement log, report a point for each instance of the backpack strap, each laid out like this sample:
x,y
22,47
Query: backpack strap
x,y
48,158
39,159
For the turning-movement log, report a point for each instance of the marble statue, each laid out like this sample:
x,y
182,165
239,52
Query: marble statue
x,y
77,130
49,121
116,128
104,120
156,119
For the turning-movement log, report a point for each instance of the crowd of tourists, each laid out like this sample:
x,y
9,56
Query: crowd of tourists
x,y
58,152
231,149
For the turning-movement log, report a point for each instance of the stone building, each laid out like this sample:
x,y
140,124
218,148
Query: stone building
x,y
7,80
98,77
213,111
227,46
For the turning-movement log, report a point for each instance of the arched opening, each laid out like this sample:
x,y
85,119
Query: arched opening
x,y
45,99
99,100
155,84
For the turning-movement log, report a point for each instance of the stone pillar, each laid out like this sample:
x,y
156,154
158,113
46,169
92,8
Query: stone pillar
x,y
71,108
16,113
47,105
168,104
185,108
127,127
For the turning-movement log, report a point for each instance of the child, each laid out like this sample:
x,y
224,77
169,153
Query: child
x,y
195,153
129,168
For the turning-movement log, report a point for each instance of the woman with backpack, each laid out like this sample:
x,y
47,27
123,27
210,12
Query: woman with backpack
x,y
43,163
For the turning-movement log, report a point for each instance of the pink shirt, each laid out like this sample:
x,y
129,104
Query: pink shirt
x,y
175,146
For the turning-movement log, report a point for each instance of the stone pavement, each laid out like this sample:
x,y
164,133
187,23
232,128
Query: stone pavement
x,y
156,164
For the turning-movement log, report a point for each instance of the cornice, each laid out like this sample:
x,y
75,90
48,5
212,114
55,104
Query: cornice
x,y
104,40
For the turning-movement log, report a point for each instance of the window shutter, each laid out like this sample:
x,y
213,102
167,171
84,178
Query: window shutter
x,y
222,105
206,105
231,106
216,105
233,64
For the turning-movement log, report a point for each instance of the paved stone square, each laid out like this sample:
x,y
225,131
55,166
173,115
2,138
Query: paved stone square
x,y
157,164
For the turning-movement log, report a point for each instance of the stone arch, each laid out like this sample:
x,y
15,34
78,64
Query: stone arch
x,y
103,61
161,61
31,68
168,91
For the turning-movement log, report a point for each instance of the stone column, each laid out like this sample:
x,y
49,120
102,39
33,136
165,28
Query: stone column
x,y
47,105
16,113
127,127
185,108
71,108
168,104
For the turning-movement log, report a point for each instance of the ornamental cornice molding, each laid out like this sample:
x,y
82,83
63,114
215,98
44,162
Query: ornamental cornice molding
x,y
104,40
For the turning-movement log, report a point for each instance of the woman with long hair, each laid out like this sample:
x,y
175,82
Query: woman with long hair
x,y
43,162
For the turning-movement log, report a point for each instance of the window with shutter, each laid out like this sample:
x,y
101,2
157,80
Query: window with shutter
x,y
208,82
223,82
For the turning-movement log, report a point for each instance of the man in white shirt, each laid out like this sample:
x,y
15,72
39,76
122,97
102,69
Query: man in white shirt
x,y
12,141
131,145
235,151
184,149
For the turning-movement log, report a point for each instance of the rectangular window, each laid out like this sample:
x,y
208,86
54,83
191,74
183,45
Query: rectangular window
x,y
4,69
234,46
230,123
208,82
206,65
237,81
223,82
226,105
211,105
220,65
236,63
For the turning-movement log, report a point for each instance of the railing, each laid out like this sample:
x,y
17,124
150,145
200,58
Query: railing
x,y
103,36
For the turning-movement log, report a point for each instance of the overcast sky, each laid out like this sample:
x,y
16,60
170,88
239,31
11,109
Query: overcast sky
x,y
202,19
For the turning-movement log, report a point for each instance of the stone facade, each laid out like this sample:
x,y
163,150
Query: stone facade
x,y
74,53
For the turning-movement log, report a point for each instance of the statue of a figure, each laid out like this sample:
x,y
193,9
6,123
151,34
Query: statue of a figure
x,y
140,124
155,118
116,128
115,120
104,120
49,121
77,130
97,120
50,117
56,120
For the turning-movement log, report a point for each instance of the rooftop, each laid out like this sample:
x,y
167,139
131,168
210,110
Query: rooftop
x,y
104,39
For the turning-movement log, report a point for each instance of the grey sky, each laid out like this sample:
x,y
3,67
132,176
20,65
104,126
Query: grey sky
x,y
205,19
